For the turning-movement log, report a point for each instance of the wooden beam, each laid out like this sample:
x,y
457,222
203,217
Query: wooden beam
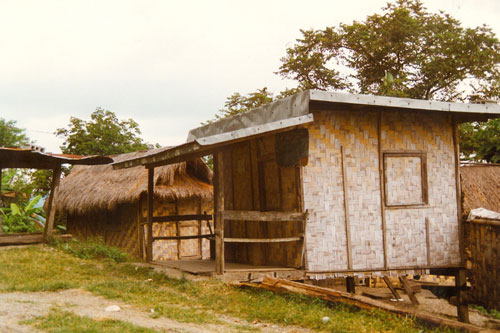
x,y
51,209
262,240
180,218
219,212
272,216
334,296
461,290
484,221
346,209
1,201
428,240
382,185
456,147
350,284
406,286
149,238
183,237
24,239
391,288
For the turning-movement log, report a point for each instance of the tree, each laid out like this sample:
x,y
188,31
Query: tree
x,y
11,135
104,134
405,51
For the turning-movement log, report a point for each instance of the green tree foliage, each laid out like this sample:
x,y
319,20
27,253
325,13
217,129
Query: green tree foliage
x,y
481,141
405,51
104,134
11,135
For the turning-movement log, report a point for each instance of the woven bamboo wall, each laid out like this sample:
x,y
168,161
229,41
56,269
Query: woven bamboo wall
x,y
254,181
357,133
482,247
119,228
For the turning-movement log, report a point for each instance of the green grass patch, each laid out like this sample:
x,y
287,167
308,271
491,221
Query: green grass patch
x,y
202,302
490,312
59,321
91,249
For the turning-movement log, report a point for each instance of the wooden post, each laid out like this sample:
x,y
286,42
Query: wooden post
x,y
219,209
428,240
149,241
346,209
406,286
461,235
51,209
461,289
382,184
1,202
350,284
391,287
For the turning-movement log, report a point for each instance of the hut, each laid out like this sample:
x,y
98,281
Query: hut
x,y
324,184
97,201
481,189
480,186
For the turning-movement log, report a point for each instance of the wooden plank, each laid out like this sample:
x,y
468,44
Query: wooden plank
x,y
256,252
334,296
271,216
428,240
391,287
456,148
51,209
347,224
262,240
182,218
24,239
408,290
382,185
177,230
219,212
149,238
487,222
461,290
183,237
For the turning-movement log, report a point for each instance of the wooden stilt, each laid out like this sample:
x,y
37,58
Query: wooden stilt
x,y
350,285
51,210
408,290
461,288
219,209
1,202
149,240
391,288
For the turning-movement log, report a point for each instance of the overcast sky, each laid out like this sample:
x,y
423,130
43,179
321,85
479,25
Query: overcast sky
x,y
169,65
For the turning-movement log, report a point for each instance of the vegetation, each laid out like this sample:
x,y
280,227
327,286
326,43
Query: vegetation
x,y
490,312
405,51
11,135
41,268
104,134
24,218
91,249
59,321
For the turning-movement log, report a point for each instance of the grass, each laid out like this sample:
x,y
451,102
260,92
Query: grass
x,y
59,321
42,268
490,312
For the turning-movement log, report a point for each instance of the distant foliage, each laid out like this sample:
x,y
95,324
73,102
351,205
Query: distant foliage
x,y
104,134
11,135
481,141
92,249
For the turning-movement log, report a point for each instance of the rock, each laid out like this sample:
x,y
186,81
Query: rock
x,y
112,308
325,319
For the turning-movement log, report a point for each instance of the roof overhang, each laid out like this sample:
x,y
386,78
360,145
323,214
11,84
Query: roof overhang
x,y
27,158
291,112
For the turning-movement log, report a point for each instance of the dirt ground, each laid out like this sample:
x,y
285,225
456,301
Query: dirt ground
x,y
17,306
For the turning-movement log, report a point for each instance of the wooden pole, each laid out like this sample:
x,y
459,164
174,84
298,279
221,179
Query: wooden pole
x,y
350,284
1,202
51,209
406,286
346,210
391,287
219,209
456,147
149,241
428,240
382,186
461,289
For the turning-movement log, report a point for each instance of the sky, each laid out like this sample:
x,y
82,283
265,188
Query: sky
x,y
169,65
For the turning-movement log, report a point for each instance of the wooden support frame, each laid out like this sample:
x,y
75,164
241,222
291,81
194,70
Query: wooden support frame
x,y
183,237
346,209
262,240
182,218
382,186
269,216
406,286
461,290
149,239
456,147
51,210
391,288
350,284
219,211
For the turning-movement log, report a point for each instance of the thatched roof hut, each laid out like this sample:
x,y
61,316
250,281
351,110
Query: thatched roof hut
x,y
480,186
97,201
100,187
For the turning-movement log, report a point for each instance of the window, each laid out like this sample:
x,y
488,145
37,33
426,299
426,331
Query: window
x,y
405,179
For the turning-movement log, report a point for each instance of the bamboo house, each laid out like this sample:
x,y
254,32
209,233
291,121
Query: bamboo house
x,y
97,201
323,184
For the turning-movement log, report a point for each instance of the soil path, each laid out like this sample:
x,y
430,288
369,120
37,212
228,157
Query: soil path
x,y
17,306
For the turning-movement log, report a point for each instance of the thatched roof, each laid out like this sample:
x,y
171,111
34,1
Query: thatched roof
x,y
480,186
100,187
